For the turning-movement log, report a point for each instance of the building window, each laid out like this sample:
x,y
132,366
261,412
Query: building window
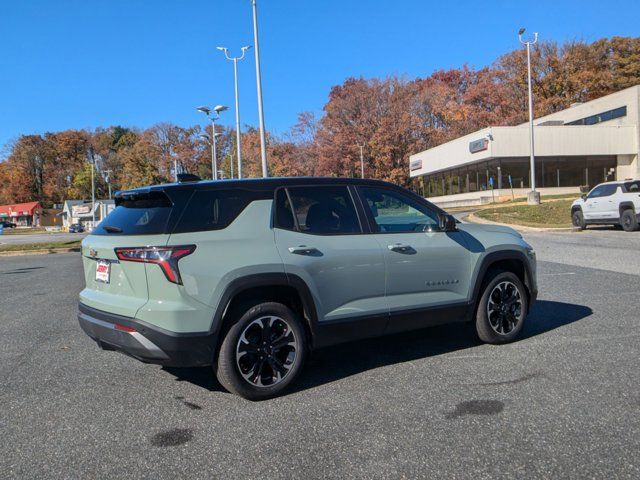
x,y
601,117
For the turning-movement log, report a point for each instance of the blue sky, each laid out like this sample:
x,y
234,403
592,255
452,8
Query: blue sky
x,y
87,63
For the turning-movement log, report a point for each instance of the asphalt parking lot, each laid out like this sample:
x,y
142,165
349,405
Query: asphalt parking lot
x,y
562,402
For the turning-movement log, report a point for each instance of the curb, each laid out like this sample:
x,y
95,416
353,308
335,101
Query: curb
x,y
44,251
472,218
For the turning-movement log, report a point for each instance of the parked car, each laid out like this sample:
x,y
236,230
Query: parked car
x,y
76,228
6,224
610,203
250,276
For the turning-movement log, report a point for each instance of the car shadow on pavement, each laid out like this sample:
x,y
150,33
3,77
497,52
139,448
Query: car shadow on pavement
x,y
334,363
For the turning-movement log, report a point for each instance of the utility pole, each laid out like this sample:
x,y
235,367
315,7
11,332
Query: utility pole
x,y
361,161
533,198
235,61
263,142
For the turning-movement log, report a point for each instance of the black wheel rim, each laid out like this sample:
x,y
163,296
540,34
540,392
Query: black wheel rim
x,y
504,307
266,351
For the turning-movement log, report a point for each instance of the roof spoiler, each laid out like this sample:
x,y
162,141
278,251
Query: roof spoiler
x,y
188,177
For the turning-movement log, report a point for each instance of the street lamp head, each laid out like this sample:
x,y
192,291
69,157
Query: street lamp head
x,y
222,49
205,136
521,31
204,109
220,108
246,47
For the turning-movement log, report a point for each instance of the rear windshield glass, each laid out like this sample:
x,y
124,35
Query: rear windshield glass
x,y
632,187
137,214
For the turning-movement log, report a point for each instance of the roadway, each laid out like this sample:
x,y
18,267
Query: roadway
x,y
561,402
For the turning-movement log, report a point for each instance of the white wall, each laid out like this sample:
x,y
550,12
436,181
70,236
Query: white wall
x,y
550,141
616,137
629,97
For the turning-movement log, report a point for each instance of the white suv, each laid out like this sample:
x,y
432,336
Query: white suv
x,y
611,203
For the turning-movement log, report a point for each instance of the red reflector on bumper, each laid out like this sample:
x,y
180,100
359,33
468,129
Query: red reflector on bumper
x,y
124,328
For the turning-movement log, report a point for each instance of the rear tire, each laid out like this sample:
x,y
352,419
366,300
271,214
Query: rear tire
x,y
502,308
578,220
263,352
629,221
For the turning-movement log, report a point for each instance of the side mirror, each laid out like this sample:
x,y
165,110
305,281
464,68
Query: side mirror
x,y
447,223
583,196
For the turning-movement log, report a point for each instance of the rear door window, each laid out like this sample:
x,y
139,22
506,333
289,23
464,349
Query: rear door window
x,y
214,209
318,210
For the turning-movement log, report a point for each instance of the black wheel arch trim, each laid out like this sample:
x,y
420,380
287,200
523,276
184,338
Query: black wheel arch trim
x,y
494,257
626,206
274,279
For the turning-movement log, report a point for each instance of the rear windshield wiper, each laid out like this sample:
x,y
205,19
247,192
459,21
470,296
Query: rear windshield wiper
x,y
110,229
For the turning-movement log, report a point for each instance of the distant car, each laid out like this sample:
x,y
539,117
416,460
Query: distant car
x,y
76,228
7,224
611,203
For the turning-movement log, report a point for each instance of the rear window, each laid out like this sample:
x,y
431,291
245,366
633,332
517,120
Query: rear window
x,y
318,210
144,213
632,187
214,209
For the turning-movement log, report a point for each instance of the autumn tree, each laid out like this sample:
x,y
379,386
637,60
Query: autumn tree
x,y
391,118
25,169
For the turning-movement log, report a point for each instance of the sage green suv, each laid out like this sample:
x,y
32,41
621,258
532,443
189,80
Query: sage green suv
x,y
250,276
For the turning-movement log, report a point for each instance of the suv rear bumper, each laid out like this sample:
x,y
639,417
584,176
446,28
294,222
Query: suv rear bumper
x,y
145,342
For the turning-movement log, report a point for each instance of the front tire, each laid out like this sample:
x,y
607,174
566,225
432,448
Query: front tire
x,y
629,221
502,308
263,352
578,220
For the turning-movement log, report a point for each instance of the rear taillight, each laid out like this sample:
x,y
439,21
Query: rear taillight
x,y
166,257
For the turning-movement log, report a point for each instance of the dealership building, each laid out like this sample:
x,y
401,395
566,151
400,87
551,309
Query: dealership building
x,y
581,146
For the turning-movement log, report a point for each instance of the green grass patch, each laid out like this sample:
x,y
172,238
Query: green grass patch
x,y
23,231
548,214
563,196
19,247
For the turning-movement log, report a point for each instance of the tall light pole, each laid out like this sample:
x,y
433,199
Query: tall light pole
x,y
107,174
263,142
214,155
93,194
172,155
92,161
533,198
361,161
235,61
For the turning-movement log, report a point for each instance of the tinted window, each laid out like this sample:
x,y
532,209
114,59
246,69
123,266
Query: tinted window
x,y
284,214
632,187
320,210
144,213
213,209
394,212
603,191
601,117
